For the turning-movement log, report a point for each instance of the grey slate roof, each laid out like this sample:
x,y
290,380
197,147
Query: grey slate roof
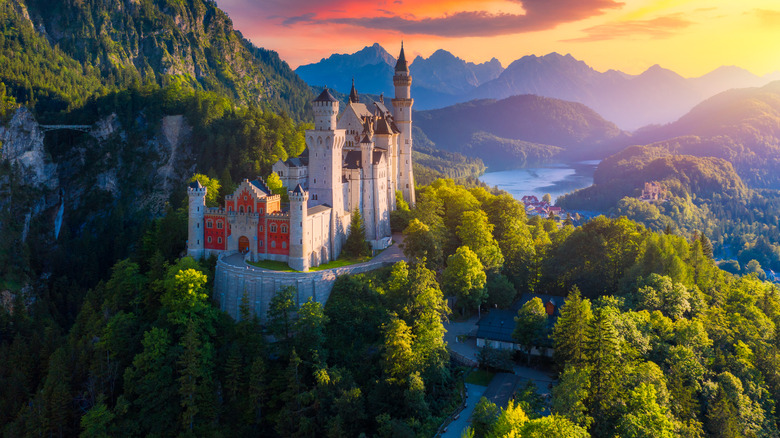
x,y
325,96
297,161
261,186
195,185
319,209
298,190
497,325
401,66
382,127
353,160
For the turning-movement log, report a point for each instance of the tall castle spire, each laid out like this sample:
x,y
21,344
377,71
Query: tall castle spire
x,y
402,116
400,65
353,94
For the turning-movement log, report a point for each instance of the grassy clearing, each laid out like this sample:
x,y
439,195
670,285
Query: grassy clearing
x,y
480,377
283,267
340,262
273,265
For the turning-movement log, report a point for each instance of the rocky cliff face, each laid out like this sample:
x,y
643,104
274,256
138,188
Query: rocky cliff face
x,y
62,187
22,141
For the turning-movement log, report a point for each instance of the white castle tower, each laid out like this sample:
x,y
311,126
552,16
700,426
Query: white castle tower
x,y
367,186
299,242
402,115
197,211
325,144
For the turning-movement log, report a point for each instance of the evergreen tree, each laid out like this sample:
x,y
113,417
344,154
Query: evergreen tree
x,y
530,325
570,331
356,245
602,350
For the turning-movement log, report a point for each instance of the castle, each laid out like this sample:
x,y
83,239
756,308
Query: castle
x,y
355,162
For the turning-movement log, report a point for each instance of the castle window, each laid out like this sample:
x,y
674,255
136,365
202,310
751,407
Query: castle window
x,y
273,244
208,224
241,209
260,243
284,228
219,240
315,180
273,228
197,225
209,239
281,173
261,228
219,224
249,209
245,198
284,245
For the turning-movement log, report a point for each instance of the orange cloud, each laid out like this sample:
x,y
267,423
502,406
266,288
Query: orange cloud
x,y
461,18
661,27
768,17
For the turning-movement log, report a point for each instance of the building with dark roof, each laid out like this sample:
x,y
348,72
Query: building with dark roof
x,y
355,162
496,327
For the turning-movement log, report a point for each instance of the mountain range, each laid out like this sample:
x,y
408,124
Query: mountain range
x,y
657,96
439,80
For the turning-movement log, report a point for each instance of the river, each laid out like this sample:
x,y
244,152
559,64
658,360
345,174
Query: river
x,y
556,179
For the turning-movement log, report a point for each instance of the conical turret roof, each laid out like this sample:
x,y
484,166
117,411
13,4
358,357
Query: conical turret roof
x,y
401,66
298,190
325,96
353,94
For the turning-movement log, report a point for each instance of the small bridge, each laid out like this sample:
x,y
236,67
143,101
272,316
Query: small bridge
x,y
82,128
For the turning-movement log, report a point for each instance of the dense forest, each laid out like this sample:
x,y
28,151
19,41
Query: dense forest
x,y
57,54
701,195
654,339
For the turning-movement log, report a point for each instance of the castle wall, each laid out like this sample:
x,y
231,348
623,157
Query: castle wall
x,y
261,285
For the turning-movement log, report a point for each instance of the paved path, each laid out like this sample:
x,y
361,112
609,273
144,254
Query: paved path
x,y
470,350
467,348
456,428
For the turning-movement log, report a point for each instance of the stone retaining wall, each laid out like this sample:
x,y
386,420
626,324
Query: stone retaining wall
x,y
261,285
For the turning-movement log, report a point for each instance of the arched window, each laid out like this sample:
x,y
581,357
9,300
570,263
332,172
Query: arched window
x,y
260,243
272,227
240,208
273,244
219,240
208,224
284,245
261,228
219,225
249,209
209,240
284,228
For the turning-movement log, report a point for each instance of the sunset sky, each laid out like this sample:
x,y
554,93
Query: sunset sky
x,y
691,37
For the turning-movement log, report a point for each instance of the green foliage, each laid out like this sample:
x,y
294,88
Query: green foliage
x,y
465,278
420,244
212,186
570,331
356,245
274,183
501,292
476,233
530,324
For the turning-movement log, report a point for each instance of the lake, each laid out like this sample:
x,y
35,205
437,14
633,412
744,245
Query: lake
x,y
556,179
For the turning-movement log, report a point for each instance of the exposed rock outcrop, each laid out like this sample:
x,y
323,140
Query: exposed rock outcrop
x,y
22,142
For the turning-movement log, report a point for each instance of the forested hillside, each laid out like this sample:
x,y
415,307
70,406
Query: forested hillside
x,y
520,131
741,126
57,53
719,165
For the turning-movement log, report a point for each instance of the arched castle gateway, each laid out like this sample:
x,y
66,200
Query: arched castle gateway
x,y
355,162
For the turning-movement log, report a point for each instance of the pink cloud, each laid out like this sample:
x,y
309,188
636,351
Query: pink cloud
x,y
661,27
